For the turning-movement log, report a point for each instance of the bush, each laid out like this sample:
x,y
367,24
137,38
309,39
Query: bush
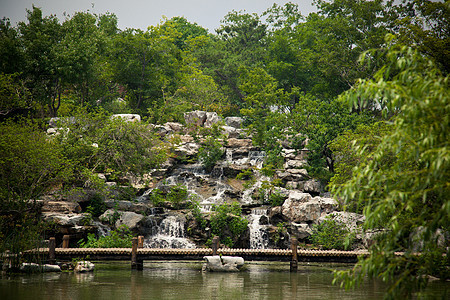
x,y
331,234
210,152
119,238
227,223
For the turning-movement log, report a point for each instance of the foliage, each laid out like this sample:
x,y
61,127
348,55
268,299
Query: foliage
x,y
119,238
176,195
412,192
14,95
196,211
331,234
30,165
227,223
98,143
210,151
347,155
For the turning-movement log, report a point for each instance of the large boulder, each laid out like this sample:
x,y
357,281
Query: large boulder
x,y
211,119
35,268
127,117
83,267
66,220
128,218
218,263
235,122
302,207
64,207
195,118
312,186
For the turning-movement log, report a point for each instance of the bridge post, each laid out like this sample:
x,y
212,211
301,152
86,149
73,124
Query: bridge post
x,y
66,240
51,251
141,241
294,261
215,245
135,263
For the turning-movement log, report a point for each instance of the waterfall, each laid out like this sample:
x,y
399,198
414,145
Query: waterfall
x,y
259,238
169,234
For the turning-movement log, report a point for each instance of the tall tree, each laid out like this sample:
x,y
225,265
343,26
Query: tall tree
x,y
409,197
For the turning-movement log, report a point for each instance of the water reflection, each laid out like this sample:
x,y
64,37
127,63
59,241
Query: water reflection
x,y
176,280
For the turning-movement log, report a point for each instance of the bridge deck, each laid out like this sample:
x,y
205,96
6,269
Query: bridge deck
x,y
197,254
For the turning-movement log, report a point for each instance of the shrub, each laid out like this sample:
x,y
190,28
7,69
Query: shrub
x,y
227,223
210,152
331,234
119,238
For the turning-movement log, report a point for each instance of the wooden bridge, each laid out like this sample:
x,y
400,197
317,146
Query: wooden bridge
x,y
137,254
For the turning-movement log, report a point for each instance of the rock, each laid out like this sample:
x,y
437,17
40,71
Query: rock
x,y
130,219
231,132
239,143
195,118
327,205
211,118
301,230
65,207
292,164
300,207
187,150
235,122
83,267
312,186
173,127
66,220
139,208
218,263
35,268
127,117
351,220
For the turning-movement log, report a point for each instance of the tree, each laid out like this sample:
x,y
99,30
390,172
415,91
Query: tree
x,y
409,197
39,37
30,165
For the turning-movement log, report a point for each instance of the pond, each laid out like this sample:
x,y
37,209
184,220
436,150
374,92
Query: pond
x,y
184,280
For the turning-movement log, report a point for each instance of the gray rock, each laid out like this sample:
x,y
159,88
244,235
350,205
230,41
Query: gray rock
x,y
295,164
173,127
218,263
127,117
65,207
35,268
235,122
65,220
300,207
196,118
130,219
351,220
83,267
301,230
187,149
230,132
312,186
212,118
128,206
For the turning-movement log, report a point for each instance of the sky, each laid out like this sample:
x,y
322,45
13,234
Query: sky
x,y
143,13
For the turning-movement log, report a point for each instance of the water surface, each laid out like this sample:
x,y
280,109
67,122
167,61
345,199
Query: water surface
x,y
184,280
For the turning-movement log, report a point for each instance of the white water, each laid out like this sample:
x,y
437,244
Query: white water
x,y
169,234
258,233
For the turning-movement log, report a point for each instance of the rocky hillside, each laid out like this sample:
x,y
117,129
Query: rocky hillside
x,y
176,205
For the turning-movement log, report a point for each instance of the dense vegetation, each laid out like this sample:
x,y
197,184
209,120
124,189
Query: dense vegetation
x,y
377,126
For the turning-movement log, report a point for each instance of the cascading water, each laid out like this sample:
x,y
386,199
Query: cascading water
x,y
169,234
258,233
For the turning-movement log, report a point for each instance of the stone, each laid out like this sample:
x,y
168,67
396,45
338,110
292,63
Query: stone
x,y
65,207
187,149
312,186
218,263
127,117
235,122
211,119
230,132
292,164
239,143
300,207
195,118
351,220
301,230
65,220
130,219
327,205
35,268
135,207
173,127
83,267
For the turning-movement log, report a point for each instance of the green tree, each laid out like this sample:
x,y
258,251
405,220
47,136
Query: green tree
x,y
408,198
30,165
39,36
